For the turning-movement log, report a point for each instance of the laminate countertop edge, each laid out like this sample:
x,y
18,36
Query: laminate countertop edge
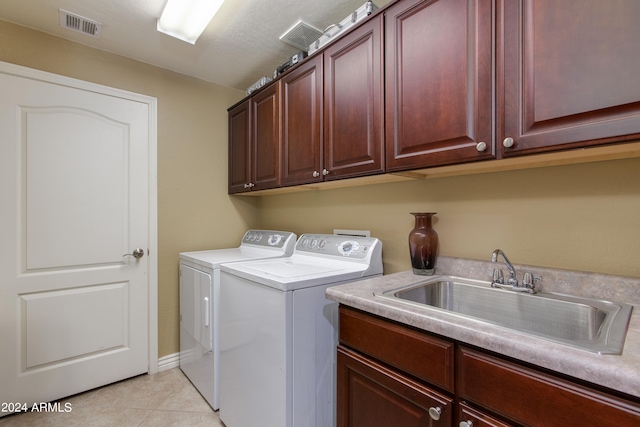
x,y
616,372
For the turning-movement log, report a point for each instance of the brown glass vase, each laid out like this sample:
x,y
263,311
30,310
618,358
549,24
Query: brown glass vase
x,y
423,244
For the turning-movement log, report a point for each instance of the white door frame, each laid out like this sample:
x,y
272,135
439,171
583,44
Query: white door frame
x,y
152,274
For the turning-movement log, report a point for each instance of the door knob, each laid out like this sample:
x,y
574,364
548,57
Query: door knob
x,y
137,253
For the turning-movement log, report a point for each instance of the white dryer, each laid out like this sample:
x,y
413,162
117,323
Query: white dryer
x,y
278,331
200,303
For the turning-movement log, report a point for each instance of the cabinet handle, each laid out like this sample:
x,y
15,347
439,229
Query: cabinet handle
x,y
467,423
325,172
249,185
316,174
481,146
434,413
508,142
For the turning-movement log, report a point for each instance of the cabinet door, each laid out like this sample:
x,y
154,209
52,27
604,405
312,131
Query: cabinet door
x,y
470,417
570,73
239,148
266,138
438,82
369,394
381,339
302,123
353,103
530,397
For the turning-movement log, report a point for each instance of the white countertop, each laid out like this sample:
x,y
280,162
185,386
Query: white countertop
x,y
617,372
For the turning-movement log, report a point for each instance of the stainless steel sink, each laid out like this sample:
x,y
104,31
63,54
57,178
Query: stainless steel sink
x,y
593,325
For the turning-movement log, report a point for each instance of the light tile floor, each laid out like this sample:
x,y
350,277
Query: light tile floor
x,y
165,399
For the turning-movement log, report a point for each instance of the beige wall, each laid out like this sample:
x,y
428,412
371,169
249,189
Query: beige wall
x,y
194,210
581,217
584,217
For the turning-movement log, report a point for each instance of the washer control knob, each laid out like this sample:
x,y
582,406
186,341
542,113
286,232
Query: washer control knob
x,y
348,247
274,239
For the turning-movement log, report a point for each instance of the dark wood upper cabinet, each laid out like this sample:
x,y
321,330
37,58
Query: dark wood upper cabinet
x,y
426,83
240,147
267,143
353,103
570,73
254,142
438,59
301,113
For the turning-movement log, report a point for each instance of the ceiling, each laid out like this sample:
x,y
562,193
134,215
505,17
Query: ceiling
x,y
240,45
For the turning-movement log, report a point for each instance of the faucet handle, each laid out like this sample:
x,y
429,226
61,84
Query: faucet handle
x,y
497,276
527,280
530,279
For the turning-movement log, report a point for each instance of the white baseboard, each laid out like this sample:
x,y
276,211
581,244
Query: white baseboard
x,y
169,361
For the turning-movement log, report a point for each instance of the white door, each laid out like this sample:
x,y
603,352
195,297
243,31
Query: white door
x,y
74,191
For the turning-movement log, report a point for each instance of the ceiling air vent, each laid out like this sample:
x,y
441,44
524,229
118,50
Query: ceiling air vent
x,y
301,35
80,24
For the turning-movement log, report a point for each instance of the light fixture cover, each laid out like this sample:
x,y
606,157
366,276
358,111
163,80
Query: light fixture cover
x,y
187,19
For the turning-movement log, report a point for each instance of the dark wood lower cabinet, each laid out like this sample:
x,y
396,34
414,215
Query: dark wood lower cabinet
x,y
378,384
535,398
471,417
370,394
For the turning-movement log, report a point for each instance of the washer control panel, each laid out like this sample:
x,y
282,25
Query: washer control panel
x,y
268,238
338,246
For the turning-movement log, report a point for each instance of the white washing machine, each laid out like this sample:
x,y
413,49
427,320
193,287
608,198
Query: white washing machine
x,y
278,331
200,303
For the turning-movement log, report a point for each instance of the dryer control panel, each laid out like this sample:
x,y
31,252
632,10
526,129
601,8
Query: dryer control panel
x,y
268,238
355,247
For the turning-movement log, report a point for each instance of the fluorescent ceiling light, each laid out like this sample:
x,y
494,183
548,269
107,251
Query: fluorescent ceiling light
x,y
187,19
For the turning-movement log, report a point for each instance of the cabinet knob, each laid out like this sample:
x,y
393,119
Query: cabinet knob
x,y
508,142
247,185
316,174
467,423
325,172
481,146
434,413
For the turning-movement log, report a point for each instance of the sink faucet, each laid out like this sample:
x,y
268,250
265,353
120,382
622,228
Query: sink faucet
x,y
528,283
513,281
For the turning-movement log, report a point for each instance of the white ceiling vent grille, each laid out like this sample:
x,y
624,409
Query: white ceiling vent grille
x,y
301,35
80,24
